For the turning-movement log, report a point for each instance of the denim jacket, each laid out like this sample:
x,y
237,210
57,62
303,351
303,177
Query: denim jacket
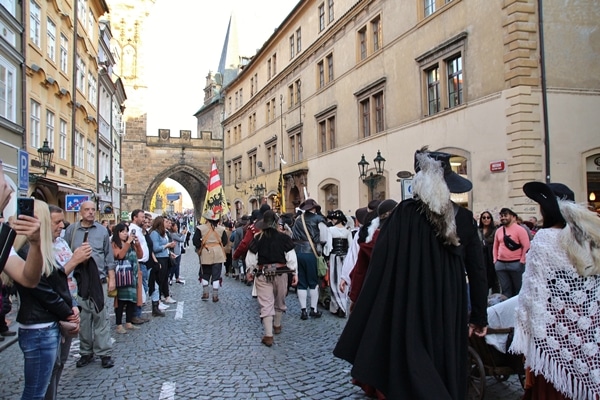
x,y
158,244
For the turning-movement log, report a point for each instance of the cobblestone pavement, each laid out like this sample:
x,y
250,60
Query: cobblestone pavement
x,y
206,350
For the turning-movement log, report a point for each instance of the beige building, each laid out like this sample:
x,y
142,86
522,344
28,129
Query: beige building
x,y
339,79
62,69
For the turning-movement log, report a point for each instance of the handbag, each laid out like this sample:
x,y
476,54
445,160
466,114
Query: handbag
x,y
123,274
509,243
321,263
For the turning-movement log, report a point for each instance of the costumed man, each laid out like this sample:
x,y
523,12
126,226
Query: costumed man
x,y
271,257
407,335
336,248
557,318
306,234
212,239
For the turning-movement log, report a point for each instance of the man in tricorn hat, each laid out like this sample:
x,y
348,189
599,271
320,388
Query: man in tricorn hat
x,y
407,334
306,234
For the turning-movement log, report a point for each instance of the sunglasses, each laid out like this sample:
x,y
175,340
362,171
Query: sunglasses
x,y
484,217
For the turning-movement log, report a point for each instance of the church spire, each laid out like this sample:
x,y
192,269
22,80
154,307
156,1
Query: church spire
x,y
230,62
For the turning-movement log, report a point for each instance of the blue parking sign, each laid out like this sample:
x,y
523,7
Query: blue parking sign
x,y
23,170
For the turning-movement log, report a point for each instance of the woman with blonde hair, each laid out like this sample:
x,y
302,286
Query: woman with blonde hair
x,y
41,309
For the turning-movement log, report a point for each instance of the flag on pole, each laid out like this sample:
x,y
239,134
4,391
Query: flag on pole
x,y
215,196
280,191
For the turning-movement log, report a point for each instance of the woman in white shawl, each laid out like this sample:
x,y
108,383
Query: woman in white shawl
x,y
558,317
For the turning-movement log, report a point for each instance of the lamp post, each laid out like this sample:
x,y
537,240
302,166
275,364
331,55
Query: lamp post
x,y
106,185
259,190
371,179
45,154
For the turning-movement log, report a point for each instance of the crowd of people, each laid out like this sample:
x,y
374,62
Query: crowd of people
x,y
412,279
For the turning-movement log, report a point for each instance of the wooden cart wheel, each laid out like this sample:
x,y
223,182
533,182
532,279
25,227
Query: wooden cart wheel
x,y
522,380
476,389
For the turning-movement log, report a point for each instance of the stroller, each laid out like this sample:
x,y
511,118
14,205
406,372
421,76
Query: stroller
x,y
489,356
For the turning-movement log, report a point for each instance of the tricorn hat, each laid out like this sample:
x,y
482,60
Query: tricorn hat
x,y
547,196
309,204
210,214
455,182
268,220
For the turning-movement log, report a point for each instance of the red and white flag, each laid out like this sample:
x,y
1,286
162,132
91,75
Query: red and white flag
x,y
215,201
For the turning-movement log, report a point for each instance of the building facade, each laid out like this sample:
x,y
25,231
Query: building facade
x,y
345,78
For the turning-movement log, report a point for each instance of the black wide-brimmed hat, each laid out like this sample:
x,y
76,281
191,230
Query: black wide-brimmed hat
x,y
455,182
547,196
309,204
268,220
360,214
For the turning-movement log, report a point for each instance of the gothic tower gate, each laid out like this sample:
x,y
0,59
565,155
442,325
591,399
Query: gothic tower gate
x,y
149,160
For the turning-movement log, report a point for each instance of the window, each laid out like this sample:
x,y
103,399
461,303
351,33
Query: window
x,y
8,81
326,124
237,168
433,90
321,17
455,79
272,155
298,91
330,7
291,95
10,6
241,97
237,103
251,86
272,66
362,38
91,26
35,22
371,108
62,142
325,71
376,31
274,58
51,40
298,40
296,145
64,53
81,11
365,114
269,71
442,76
370,38
50,128
292,47
294,93
251,123
91,156
79,150
80,74
252,163
34,135
92,88
429,7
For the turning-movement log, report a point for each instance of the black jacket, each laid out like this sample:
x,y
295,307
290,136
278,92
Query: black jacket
x,y
49,301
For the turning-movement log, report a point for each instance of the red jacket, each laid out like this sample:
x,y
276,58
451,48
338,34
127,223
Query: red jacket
x,y
359,272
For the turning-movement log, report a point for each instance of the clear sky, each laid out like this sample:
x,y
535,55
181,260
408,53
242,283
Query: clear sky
x,y
187,37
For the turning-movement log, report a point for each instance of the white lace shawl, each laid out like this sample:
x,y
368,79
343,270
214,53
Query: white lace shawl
x,y
558,319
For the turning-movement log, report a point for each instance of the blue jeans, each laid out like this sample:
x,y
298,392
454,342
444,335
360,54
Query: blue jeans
x,y
138,310
39,347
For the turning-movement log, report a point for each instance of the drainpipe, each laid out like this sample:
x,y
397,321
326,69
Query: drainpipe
x,y
23,80
74,90
544,90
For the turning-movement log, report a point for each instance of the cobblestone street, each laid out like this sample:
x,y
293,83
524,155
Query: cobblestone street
x,y
206,350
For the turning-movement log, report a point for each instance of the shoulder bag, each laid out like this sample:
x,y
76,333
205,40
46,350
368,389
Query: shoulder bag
x,y
321,263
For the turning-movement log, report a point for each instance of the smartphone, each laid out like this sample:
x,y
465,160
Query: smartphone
x,y
25,206
85,236
133,231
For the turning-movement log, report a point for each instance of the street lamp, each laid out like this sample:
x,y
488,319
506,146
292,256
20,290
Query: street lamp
x,y
45,154
371,179
106,185
259,190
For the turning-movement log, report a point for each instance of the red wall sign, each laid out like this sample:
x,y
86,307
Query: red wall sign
x,y
497,166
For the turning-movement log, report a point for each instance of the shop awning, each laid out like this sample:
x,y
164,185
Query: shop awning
x,y
63,187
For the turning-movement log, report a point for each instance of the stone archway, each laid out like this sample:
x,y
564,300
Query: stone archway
x,y
193,180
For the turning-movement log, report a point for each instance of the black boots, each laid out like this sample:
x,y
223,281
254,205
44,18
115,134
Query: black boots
x,y
314,313
304,315
156,311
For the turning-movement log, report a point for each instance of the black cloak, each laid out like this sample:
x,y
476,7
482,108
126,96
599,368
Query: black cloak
x,y
408,333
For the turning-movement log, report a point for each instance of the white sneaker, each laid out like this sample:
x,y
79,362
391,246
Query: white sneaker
x,y
170,300
162,307
180,281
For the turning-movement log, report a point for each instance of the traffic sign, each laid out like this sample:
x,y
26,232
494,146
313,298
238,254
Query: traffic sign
x,y
73,201
23,170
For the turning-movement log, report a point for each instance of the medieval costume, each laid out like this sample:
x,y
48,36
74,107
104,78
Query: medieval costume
x,y
271,257
557,317
212,239
407,334
337,248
